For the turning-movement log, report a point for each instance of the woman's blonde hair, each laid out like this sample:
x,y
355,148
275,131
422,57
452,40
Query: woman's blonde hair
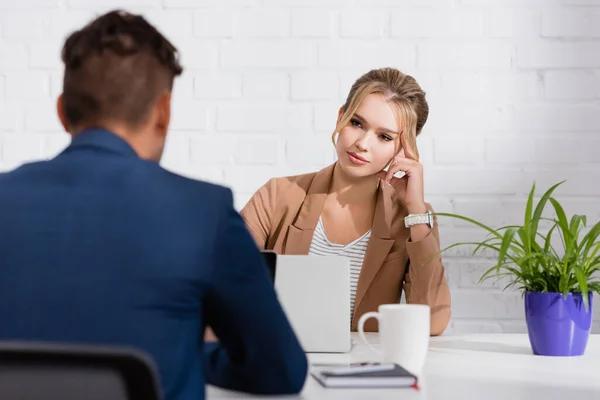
x,y
400,89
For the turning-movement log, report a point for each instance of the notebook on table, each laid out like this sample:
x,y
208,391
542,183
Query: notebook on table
x,y
393,377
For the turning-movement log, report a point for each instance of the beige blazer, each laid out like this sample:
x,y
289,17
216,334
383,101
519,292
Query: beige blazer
x,y
282,216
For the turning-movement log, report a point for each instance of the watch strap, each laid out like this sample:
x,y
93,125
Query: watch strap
x,y
417,219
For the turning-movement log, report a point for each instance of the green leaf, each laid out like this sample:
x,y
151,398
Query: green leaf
x,y
510,284
594,286
506,240
589,240
583,285
527,221
542,283
472,221
495,248
486,274
591,258
535,220
562,221
548,241
577,222
518,250
560,212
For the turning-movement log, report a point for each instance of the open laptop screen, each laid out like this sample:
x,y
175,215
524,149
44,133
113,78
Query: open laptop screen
x,y
271,261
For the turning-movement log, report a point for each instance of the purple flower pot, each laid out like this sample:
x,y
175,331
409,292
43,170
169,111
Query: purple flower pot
x,y
558,326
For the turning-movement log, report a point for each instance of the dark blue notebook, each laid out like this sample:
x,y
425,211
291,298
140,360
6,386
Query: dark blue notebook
x,y
394,378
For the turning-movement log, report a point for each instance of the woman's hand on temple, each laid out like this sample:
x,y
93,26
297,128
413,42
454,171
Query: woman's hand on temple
x,y
410,187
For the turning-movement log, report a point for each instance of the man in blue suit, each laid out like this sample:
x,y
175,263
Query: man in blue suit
x,y
100,245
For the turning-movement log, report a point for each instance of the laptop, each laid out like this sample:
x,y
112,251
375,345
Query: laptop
x,y
314,292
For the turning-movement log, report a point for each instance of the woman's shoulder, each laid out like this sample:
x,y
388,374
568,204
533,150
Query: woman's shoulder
x,y
278,197
292,185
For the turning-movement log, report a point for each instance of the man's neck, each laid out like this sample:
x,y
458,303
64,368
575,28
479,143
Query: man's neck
x,y
136,139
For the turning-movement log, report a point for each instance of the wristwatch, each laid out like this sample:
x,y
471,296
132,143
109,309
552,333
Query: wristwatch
x,y
416,219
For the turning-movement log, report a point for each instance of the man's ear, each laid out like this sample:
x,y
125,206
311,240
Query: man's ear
x,y
62,114
163,113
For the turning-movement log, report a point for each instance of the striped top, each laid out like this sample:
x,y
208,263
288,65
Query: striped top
x,y
354,251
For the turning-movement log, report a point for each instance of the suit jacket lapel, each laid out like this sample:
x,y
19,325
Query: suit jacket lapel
x,y
300,233
379,245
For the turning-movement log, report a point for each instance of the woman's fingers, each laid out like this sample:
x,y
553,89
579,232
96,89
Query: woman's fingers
x,y
400,164
396,182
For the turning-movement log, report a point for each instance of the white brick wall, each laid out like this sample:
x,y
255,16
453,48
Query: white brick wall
x,y
312,23
513,85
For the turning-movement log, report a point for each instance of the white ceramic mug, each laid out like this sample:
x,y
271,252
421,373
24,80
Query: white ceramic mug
x,y
404,331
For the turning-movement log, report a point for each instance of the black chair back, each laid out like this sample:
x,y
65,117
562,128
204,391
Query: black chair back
x,y
44,371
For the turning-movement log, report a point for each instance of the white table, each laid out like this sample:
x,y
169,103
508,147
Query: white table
x,y
481,366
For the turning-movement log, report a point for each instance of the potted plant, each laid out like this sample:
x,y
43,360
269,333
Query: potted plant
x,y
557,284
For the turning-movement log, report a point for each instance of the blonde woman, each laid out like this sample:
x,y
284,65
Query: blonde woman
x,y
357,208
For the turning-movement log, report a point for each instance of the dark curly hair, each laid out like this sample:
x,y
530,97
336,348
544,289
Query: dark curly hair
x,y
115,69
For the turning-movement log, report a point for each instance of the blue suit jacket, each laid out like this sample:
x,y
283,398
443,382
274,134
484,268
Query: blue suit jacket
x,y
100,246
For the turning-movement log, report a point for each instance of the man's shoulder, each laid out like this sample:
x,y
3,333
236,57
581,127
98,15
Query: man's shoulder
x,y
191,183
18,171
194,191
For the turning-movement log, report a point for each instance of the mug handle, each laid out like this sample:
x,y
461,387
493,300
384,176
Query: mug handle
x,y
361,332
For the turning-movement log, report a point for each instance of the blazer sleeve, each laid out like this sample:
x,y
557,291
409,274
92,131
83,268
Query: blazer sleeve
x,y
258,213
258,351
425,280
